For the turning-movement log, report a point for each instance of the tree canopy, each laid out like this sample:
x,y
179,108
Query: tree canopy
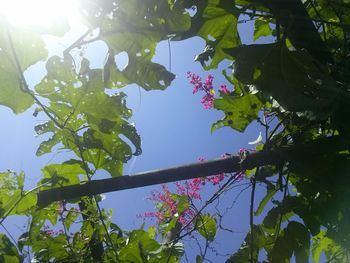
x,y
297,87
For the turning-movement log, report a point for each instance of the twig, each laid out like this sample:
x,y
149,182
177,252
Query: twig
x,y
76,43
283,200
67,238
11,237
212,199
251,214
254,14
87,172
169,53
105,228
276,127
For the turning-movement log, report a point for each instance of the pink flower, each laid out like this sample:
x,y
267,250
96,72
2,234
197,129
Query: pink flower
x,y
158,215
201,159
167,203
216,179
207,87
242,151
208,101
196,81
224,89
180,189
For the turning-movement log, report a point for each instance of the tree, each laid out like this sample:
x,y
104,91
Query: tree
x,y
296,87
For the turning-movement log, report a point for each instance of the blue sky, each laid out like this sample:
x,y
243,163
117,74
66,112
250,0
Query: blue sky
x,y
174,127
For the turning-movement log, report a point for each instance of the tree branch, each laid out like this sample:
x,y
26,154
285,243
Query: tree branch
x,y
232,164
251,215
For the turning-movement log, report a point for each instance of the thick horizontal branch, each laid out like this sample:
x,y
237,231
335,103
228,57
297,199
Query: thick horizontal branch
x,y
229,165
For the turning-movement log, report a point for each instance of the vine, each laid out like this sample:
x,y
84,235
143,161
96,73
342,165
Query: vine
x,y
296,87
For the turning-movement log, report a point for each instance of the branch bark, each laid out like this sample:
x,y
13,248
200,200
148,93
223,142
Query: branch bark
x,y
232,164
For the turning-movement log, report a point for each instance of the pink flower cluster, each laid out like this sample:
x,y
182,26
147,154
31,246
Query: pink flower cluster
x,y
215,179
167,203
206,87
52,233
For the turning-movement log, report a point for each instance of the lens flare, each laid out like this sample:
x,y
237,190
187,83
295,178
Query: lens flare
x,y
42,13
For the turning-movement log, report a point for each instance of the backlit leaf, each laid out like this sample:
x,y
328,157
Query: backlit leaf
x,y
240,111
206,226
29,48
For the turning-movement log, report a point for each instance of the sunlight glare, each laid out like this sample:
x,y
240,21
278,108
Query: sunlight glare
x,y
37,12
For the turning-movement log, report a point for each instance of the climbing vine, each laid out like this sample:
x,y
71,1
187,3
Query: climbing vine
x,y
296,87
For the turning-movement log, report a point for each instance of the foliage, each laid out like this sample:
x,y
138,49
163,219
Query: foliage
x,y
296,87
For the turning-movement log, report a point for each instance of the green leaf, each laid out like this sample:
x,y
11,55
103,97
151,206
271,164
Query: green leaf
x,y
240,111
60,175
199,259
70,217
162,17
29,48
243,253
178,249
274,215
81,104
138,34
206,226
8,251
172,225
238,86
270,193
27,202
101,160
139,246
51,247
46,146
262,28
148,75
181,201
290,77
295,238
322,243
13,199
220,32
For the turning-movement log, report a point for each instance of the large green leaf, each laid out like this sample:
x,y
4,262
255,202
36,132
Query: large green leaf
x,y
27,48
139,247
80,103
244,252
262,28
282,212
292,78
51,247
220,32
13,199
240,111
322,243
59,175
144,73
295,239
8,251
137,34
134,16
